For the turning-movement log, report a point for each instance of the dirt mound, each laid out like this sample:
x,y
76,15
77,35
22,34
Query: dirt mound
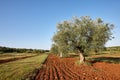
x,y
56,68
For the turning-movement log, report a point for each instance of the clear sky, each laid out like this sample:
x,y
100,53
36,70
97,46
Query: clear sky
x,y
32,23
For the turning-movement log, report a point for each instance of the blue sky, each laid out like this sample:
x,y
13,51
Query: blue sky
x,y
32,23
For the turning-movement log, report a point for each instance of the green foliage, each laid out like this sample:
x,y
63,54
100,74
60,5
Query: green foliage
x,y
83,34
54,49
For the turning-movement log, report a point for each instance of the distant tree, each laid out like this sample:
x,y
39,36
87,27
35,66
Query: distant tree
x,y
54,49
21,50
82,35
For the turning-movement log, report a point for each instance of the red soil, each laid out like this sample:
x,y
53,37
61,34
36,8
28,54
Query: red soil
x,y
56,68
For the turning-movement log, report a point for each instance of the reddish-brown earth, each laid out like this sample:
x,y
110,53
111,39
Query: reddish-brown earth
x,y
56,68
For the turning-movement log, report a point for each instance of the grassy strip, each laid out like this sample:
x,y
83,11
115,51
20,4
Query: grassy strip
x,y
115,60
105,55
18,69
109,57
14,55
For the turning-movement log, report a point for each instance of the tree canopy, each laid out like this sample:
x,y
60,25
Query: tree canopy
x,y
82,34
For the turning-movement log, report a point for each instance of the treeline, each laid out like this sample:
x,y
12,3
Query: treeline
x,y
20,50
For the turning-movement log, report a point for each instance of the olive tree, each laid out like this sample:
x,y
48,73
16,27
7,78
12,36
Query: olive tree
x,y
82,35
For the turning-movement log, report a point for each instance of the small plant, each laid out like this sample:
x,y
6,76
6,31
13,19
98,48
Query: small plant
x,y
84,63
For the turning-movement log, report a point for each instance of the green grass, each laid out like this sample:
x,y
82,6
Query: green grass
x,y
16,70
107,57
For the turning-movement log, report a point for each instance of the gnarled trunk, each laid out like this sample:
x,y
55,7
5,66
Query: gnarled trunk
x,y
82,58
61,54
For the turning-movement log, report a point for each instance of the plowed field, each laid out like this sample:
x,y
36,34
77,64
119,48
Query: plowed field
x,y
56,68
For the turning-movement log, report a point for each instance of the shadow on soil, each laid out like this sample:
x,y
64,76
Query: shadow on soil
x,y
106,59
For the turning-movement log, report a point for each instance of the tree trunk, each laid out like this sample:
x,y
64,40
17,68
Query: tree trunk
x,y
82,58
61,54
